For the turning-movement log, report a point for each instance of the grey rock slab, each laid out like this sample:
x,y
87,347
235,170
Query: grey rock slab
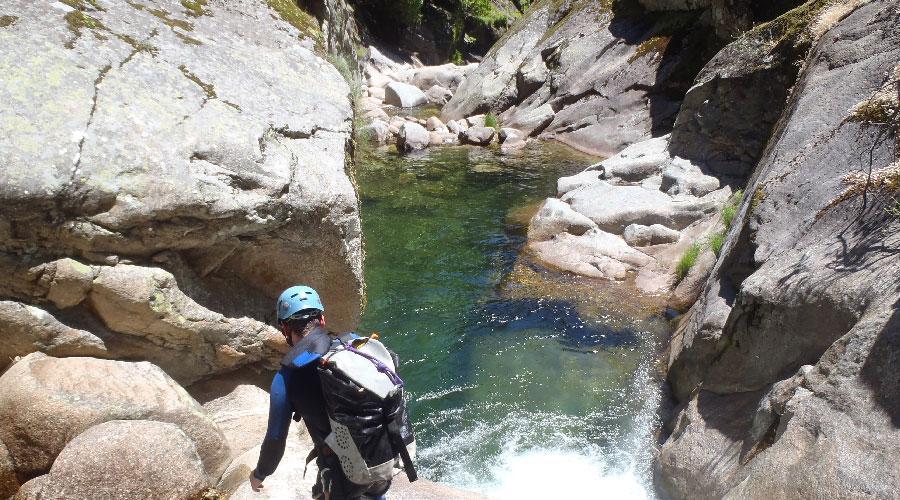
x,y
159,146
554,217
573,182
126,459
404,95
531,120
637,162
412,137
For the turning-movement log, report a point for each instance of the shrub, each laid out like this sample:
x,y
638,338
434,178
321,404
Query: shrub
x,y
687,261
490,120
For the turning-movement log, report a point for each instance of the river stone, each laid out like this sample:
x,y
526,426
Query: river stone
x,y
124,459
438,95
475,121
683,177
637,235
434,124
614,207
479,136
807,277
454,127
376,92
220,138
447,76
377,131
412,137
45,402
510,134
403,95
596,254
556,217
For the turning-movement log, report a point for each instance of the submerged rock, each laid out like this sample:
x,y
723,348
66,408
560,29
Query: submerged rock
x,y
124,459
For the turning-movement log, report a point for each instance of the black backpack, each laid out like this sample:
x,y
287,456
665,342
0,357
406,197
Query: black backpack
x,y
364,399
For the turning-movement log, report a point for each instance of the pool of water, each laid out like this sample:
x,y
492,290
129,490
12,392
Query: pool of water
x,y
523,382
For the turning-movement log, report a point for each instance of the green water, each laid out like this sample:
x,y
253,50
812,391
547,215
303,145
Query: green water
x,y
515,374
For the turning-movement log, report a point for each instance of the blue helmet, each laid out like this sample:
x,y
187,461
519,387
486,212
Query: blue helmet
x,y
295,299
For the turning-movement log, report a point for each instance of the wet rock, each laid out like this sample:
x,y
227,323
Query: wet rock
x,y
403,95
479,136
412,137
45,402
378,131
124,459
556,217
683,177
637,235
438,95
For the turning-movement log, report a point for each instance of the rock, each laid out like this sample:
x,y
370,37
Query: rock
x,y
396,121
475,121
378,131
808,276
378,80
435,124
613,207
435,139
377,92
683,177
412,137
691,286
573,182
242,415
590,75
637,235
510,134
377,114
45,402
454,127
124,459
595,254
438,95
370,103
162,152
447,76
556,217
9,483
479,136
636,162
403,95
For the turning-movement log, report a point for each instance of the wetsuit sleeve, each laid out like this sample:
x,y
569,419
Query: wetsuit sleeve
x,y
280,411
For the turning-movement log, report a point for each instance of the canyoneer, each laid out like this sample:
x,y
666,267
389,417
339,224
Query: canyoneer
x,y
346,390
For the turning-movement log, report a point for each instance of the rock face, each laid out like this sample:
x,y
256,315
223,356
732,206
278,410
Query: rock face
x,y
211,146
596,75
131,460
794,341
45,402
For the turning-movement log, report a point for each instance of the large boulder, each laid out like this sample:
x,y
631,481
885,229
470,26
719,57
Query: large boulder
x,y
479,136
807,276
45,402
124,459
555,217
404,95
26,329
9,482
211,145
595,75
595,253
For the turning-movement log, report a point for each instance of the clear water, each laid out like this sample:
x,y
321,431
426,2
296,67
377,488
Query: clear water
x,y
523,383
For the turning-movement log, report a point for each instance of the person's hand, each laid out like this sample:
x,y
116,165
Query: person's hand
x,y
255,483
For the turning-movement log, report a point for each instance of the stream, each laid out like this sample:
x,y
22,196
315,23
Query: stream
x,y
522,382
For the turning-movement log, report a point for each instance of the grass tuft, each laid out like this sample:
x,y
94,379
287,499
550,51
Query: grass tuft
x,y
687,261
491,121
716,242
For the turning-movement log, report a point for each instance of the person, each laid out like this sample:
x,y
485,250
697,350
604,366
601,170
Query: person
x,y
296,391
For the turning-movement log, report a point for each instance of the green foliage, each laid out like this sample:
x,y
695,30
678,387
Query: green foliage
x,y
457,58
687,261
491,121
729,211
195,7
716,242
291,13
7,21
409,11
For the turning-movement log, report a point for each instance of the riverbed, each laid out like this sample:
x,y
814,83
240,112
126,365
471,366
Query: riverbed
x,y
523,382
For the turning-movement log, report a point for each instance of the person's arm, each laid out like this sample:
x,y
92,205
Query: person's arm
x,y
280,412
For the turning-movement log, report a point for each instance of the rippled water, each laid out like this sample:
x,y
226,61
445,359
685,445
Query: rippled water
x,y
523,383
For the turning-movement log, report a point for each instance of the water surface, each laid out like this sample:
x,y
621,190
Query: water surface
x,y
523,382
